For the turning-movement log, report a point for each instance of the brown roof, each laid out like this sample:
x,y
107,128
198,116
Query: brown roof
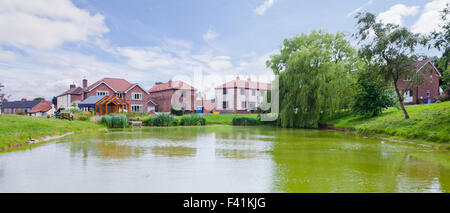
x,y
175,85
73,91
44,106
246,84
117,84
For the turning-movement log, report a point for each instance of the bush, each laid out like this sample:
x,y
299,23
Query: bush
x,y
176,111
114,121
192,120
243,121
162,120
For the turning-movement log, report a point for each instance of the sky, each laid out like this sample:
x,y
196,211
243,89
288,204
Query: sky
x,y
45,45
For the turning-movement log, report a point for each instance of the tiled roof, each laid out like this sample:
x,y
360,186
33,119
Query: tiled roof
x,y
43,106
246,84
118,84
175,85
20,104
418,65
73,91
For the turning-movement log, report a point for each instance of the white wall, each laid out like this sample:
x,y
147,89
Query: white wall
x,y
63,102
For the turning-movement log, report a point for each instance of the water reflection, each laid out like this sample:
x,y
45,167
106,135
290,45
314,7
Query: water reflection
x,y
223,159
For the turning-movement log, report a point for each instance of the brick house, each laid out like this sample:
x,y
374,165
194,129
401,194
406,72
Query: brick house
x,y
133,94
240,96
22,106
161,96
428,91
43,109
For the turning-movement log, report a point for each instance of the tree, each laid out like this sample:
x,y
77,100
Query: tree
x,y
389,48
442,43
2,94
314,77
373,94
54,101
38,99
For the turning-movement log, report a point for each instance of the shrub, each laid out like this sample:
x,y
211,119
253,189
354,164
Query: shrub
x,y
192,120
176,111
162,120
114,121
243,121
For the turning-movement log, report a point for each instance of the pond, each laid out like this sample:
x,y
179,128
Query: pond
x,y
223,159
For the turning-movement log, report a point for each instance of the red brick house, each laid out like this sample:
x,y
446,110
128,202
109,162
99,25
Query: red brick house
x,y
133,94
25,107
428,91
161,96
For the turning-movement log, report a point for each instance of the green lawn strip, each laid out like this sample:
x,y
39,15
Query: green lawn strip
x,y
427,123
17,129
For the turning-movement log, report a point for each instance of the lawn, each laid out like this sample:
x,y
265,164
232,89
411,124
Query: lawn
x,y
429,122
16,129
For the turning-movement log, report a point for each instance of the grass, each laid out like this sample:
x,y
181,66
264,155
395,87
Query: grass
x,y
114,121
16,129
429,122
225,118
192,120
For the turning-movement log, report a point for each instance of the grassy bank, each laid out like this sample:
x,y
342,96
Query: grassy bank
x,y
17,129
427,123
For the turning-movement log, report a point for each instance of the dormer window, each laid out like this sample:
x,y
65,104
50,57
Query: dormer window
x,y
120,94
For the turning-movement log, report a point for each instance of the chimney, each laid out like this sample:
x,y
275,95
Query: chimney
x,y
249,79
85,83
170,83
24,99
72,86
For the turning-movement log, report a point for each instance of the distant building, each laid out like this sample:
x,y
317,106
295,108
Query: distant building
x,y
429,91
240,96
133,94
161,96
35,107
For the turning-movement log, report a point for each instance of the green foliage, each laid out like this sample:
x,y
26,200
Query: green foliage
x,y
244,121
315,77
192,120
373,94
114,121
162,120
38,99
225,118
442,43
390,50
176,111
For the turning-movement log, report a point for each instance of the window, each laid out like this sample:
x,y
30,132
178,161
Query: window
x,y
102,93
136,108
120,94
244,105
407,78
224,105
136,96
242,91
431,78
410,93
224,91
428,93
253,91
183,93
252,105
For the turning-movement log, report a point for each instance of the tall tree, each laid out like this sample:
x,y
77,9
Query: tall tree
x,y
388,47
314,77
2,94
442,43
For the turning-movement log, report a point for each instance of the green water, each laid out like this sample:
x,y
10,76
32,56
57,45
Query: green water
x,y
224,159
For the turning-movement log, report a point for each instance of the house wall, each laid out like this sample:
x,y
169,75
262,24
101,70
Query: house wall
x,y
128,97
420,93
247,97
63,101
164,99
14,110
101,87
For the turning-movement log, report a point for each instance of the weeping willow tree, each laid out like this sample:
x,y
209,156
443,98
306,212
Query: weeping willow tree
x,y
315,77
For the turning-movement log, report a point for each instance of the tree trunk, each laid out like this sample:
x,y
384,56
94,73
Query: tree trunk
x,y
399,96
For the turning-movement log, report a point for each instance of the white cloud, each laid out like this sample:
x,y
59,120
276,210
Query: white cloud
x,y
6,55
211,35
46,23
396,13
430,18
350,14
261,9
220,63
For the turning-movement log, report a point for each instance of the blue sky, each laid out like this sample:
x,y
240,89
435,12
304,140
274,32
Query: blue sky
x,y
47,44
